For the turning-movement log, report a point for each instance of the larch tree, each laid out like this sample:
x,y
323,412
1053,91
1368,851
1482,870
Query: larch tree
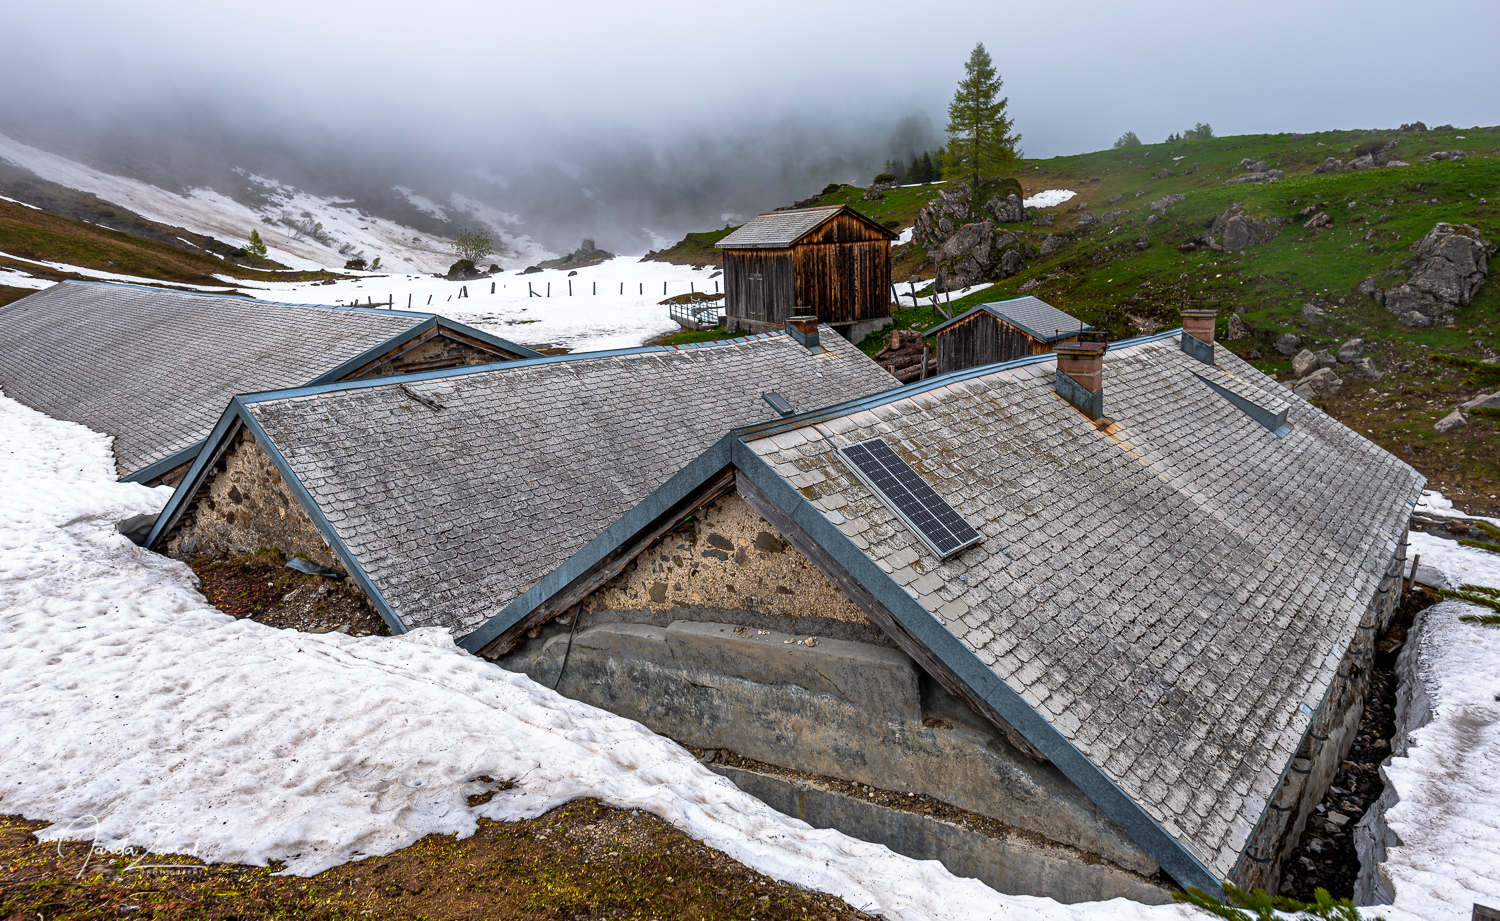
x,y
980,142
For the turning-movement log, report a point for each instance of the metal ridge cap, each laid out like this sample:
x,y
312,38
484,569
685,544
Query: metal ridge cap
x,y
233,297
288,393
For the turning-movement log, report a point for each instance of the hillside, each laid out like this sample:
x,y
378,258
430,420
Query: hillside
x,y
1100,275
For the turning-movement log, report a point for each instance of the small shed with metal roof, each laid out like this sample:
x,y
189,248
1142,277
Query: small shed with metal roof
x,y
832,262
1003,331
155,367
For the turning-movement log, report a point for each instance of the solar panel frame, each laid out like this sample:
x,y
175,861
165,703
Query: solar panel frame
x,y
910,497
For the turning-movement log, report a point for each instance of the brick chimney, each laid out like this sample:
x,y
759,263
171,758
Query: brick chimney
x,y
1198,334
804,329
1080,376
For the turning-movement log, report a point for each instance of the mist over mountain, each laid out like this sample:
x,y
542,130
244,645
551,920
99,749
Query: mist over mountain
x,y
635,122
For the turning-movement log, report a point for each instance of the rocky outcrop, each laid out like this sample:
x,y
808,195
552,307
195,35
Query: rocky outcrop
x,y
1320,383
953,207
1238,329
1161,204
1329,165
464,270
1318,221
1164,174
1288,344
1053,243
1443,155
1270,175
1449,266
1008,210
974,253
585,255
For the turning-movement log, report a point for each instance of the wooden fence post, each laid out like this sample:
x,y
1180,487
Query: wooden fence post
x,y
492,287
429,300
408,300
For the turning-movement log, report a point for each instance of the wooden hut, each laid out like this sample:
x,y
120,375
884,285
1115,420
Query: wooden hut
x,y
1003,331
833,262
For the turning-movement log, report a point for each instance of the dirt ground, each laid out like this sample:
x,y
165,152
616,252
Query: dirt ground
x,y
261,587
580,861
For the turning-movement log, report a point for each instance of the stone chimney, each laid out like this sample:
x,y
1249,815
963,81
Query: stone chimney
x,y
1198,334
1080,376
804,329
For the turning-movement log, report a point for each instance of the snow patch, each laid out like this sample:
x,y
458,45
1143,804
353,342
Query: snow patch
x,y
1049,198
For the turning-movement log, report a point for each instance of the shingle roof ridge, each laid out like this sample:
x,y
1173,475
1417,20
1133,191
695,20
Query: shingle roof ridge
x,y
932,383
994,308
422,315
495,367
779,228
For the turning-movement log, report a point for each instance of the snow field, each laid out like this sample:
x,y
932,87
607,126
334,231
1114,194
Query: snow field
x,y
1049,198
134,714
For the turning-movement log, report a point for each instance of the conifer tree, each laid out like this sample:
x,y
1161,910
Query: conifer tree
x,y
980,142
256,247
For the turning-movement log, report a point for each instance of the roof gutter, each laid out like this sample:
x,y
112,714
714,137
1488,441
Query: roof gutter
x,y
165,465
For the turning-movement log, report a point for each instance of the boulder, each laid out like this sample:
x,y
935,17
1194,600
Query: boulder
x,y
1115,199
1252,165
1288,344
1237,328
1390,163
1320,383
1325,359
1368,287
1011,263
1165,173
1109,217
1329,165
872,194
1043,219
1239,230
1161,204
1350,351
463,270
1449,266
1143,243
1454,420
1304,363
1364,369
1444,155
1312,313
1153,219
1053,243
1318,221
1008,210
1087,219
1190,170
1415,318
1486,400
587,254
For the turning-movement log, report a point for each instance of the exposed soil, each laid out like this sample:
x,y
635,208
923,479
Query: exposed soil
x,y
260,586
582,860
1325,856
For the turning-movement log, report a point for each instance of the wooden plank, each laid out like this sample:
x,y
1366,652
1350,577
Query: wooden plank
x,y
877,613
612,563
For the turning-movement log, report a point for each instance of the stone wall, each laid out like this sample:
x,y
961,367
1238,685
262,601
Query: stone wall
x,y
731,558
246,505
1324,747
437,352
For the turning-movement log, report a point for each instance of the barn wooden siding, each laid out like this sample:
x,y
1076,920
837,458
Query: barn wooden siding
x,y
984,339
759,284
840,270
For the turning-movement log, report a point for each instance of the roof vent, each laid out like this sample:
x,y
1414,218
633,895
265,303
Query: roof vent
x,y
1080,376
1198,334
804,329
781,404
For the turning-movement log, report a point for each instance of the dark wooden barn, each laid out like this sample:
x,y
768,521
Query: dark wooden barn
x,y
1002,331
833,262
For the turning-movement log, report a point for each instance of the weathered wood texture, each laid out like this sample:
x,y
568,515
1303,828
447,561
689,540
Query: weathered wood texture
x,y
984,339
841,270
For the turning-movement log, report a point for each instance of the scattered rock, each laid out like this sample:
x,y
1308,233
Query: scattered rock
x,y
1329,165
1266,176
1390,163
1115,199
1153,219
1415,318
1237,328
1187,246
1484,400
1109,217
1161,204
1312,313
1443,155
1008,210
1254,355
1350,351
1087,219
1320,383
1165,173
1053,243
1368,287
1413,128
872,194
1288,344
1029,286
1252,165
1318,221
1043,219
1143,243
1364,369
885,182
1190,170
1454,420
1449,267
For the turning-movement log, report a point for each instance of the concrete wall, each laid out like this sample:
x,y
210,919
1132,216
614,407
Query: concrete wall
x,y
844,709
245,506
1016,864
1327,743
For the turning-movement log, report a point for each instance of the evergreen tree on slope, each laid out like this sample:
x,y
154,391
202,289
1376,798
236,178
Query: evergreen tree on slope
x,y
980,142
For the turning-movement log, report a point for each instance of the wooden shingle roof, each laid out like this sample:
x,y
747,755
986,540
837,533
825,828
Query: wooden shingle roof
x,y
781,229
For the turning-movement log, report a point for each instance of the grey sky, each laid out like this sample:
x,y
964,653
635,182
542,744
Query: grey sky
x,y
780,89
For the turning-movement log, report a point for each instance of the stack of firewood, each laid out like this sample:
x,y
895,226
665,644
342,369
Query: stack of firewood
x,y
903,355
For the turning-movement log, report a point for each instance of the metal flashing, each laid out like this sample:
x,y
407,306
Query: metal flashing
x,y
1274,421
1203,351
165,465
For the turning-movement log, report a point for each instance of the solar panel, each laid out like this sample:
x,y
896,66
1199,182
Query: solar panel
x,y
909,496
